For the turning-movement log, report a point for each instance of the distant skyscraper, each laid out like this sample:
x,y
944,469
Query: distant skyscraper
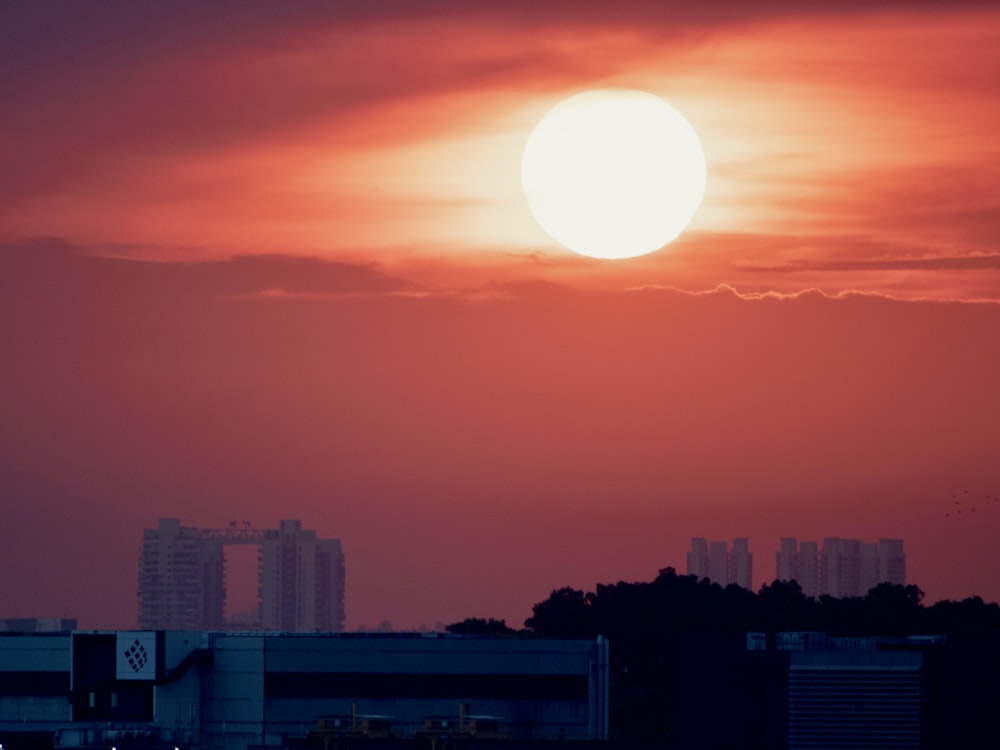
x,y
715,562
697,559
799,563
182,577
741,564
840,564
891,561
868,574
787,567
809,577
718,563
844,567
301,581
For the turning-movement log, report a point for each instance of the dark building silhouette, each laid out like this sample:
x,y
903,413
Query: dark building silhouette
x,y
194,690
804,691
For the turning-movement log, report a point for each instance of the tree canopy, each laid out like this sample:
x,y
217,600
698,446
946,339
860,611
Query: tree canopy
x,y
648,624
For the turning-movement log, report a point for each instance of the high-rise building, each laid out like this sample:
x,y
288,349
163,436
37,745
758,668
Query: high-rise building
x,y
799,563
787,567
868,572
714,561
844,567
741,564
182,578
718,563
809,577
301,581
891,561
840,565
697,559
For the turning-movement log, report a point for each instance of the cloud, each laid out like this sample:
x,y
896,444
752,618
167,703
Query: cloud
x,y
977,262
144,82
36,263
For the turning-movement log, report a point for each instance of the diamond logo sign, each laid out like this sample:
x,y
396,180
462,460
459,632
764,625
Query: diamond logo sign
x,y
136,655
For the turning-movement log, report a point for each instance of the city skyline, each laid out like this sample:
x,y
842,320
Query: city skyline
x,y
204,545
198,593
284,261
715,561
841,567
184,583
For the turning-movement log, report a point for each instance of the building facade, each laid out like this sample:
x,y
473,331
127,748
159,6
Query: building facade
x,y
301,581
697,559
842,567
812,691
191,690
716,562
891,561
182,578
799,562
741,564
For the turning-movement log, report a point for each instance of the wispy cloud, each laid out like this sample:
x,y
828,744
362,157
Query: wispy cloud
x,y
926,263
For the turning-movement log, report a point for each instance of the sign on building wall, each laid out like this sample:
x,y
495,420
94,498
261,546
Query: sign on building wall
x,y
136,658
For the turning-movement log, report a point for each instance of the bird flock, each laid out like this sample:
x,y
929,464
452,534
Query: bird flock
x,y
965,503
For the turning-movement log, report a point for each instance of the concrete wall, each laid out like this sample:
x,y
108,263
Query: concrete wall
x,y
535,688
232,694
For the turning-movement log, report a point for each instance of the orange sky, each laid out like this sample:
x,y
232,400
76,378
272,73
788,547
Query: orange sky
x,y
287,269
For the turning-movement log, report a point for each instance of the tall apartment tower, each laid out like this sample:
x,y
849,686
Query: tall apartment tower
x,y
840,563
891,561
741,564
182,577
713,560
301,581
787,562
868,568
718,563
844,567
809,576
799,563
697,559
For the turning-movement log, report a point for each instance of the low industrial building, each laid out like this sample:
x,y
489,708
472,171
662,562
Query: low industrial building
x,y
812,691
233,691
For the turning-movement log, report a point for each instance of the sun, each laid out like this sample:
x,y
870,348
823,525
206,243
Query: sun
x,y
613,173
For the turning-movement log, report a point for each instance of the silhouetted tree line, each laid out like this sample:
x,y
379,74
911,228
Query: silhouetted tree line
x,y
673,604
647,623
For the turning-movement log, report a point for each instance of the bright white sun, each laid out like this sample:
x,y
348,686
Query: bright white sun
x,y
613,173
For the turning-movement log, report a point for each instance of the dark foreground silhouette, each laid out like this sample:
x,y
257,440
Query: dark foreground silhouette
x,y
666,634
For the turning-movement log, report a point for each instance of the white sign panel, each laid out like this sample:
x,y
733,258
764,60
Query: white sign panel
x,y
136,655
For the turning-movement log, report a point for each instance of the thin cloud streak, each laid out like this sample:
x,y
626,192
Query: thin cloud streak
x,y
961,263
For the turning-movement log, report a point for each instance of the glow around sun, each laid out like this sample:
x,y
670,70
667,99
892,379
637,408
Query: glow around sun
x,y
613,173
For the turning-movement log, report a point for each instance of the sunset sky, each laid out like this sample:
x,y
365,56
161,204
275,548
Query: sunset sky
x,y
273,260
